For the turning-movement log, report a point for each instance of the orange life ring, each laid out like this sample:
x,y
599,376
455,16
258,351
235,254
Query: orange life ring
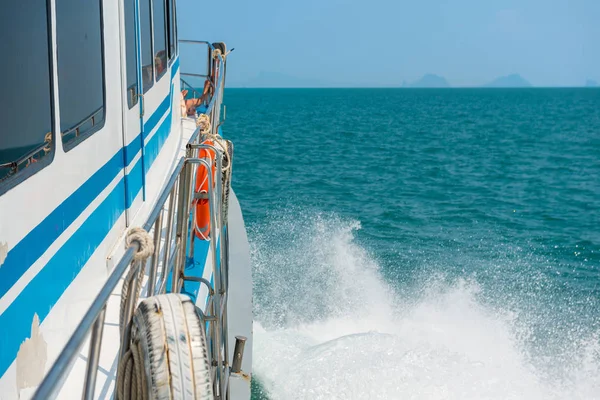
x,y
202,220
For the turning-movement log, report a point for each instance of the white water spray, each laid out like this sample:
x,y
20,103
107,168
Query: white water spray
x,y
329,327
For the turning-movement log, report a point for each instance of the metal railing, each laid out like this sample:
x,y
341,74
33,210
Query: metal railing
x,y
215,72
179,194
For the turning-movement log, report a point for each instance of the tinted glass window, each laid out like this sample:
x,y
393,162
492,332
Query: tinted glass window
x,y
160,37
80,68
25,94
171,27
146,39
130,53
174,19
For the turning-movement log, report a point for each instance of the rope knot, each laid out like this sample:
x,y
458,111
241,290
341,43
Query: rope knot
x,y
204,123
146,245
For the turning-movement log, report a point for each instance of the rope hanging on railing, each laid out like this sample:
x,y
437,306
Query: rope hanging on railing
x,y
203,122
131,382
131,378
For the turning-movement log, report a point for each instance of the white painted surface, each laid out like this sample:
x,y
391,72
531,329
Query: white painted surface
x,y
240,317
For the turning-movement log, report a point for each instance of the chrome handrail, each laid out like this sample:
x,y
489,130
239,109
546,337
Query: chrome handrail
x,y
55,377
219,351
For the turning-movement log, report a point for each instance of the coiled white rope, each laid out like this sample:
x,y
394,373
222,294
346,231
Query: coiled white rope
x,y
146,244
131,376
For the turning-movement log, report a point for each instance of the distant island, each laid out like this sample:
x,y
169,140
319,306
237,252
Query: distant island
x,y
430,81
509,81
591,83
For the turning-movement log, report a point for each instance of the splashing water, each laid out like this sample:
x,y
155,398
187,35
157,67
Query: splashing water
x,y
329,326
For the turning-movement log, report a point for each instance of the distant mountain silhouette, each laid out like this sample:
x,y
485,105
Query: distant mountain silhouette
x,y
591,83
430,81
512,80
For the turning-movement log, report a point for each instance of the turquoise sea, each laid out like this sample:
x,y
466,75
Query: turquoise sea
x,y
422,244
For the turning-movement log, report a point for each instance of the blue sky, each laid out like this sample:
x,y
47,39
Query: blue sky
x,y
386,42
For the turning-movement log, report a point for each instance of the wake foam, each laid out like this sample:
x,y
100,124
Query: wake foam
x,y
328,326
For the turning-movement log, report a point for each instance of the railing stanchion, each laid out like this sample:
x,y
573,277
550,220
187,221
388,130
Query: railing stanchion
x,y
168,237
91,371
182,226
155,256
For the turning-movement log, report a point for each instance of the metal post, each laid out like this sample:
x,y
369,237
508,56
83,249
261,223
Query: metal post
x,y
167,250
238,354
91,371
220,283
155,256
187,204
182,226
217,297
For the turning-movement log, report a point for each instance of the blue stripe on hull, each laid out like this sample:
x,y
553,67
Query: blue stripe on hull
x,y
32,246
44,290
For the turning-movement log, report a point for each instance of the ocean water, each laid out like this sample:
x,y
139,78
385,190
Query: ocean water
x,y
422,244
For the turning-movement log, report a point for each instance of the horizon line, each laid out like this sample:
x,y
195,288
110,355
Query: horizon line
x,y
410,88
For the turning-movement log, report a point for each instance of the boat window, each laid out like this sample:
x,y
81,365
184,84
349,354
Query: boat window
x,y
171,21
174,19
130,54
25,91
160,37
146,44
80,69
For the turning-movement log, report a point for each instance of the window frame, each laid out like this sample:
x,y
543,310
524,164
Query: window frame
x,y
172,21
14,180
175,26
136,96
141,67
71,144
157,77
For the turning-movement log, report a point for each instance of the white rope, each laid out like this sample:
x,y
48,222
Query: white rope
x,y
144,240
131,376
203,121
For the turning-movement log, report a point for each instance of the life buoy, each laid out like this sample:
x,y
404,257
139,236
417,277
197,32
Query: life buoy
x,y
202,219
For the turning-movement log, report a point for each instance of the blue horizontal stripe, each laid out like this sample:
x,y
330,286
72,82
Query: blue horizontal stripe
x,y
32,246
132,149
133,183
40,295
157,141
